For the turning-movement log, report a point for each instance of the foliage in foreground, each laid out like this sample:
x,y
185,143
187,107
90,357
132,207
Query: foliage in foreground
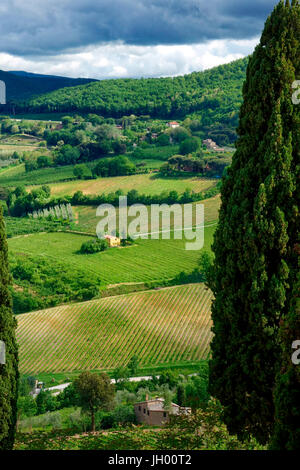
x,y
203,430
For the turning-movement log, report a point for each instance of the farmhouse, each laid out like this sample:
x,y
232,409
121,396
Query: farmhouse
x,y
38,387
113,241
173,124
152,412
211,145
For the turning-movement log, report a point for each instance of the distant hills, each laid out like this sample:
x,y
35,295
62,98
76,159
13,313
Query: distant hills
x,y
21,85
214,95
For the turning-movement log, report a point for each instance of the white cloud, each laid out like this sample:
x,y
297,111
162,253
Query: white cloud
x,y
118,60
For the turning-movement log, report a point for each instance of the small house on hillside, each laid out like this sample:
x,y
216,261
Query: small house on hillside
x,y
173,124
211,145
153,413
112,241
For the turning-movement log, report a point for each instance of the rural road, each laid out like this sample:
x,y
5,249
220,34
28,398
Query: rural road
x,y
61,387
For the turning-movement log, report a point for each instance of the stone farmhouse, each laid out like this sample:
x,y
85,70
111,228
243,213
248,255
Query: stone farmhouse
x,y
152,412
211,145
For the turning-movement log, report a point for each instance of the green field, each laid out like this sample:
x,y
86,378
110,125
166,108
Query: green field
x,y
147,183
16,176
146,260
165,326
149,163
45,117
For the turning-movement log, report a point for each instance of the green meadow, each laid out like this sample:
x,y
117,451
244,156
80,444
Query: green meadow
x,y
146,260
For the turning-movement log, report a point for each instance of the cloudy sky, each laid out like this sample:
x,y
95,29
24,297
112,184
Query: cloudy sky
x,y
127,38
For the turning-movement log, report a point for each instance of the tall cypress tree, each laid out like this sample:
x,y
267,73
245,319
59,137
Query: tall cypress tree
x,y
255,265
9,370
287,392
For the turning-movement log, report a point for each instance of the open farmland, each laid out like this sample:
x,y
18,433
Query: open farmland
x,y
168,325
18,143
147,183
146,260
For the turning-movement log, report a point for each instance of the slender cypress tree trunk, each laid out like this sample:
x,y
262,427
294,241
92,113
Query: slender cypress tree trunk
x,y
93,421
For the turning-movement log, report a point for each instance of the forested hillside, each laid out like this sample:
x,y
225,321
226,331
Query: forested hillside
x,y
215,95
22,85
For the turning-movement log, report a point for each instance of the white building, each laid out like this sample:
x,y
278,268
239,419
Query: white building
x,y
173,124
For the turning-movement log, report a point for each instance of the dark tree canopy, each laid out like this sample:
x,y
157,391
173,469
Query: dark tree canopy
x,y
95,392
256,263
9,370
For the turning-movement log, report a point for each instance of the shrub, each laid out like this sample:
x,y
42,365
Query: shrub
x,y
93,246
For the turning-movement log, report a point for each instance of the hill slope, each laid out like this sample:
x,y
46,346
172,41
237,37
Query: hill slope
x,y
215,93
23,85
169,325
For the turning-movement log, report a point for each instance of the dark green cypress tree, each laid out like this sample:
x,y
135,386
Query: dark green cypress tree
x,y
9,370
255,265
287,392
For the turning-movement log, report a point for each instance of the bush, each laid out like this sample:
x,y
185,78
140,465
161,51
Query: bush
x,y
124,415
189,145
93,246
82,171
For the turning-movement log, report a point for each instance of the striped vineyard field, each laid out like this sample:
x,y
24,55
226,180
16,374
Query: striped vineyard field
x,y
163,326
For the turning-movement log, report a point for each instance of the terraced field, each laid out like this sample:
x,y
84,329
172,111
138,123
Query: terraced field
x,y
163,326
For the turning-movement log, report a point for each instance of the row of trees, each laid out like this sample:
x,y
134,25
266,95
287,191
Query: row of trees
x,y
208,165
63,211
134,197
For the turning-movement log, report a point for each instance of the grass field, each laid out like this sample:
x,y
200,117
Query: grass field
x,y
165,326
146,260
46,117
150,163
18,176
146,183
11,171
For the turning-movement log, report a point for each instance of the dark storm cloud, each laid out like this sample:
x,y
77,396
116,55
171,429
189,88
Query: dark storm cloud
x,y
44,27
